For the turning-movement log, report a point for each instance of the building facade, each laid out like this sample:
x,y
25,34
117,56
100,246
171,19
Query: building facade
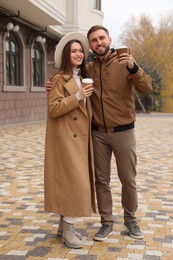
x,y
29,32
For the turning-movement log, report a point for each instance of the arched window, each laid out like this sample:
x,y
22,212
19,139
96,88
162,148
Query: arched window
x,y
14,65
37,66
12,60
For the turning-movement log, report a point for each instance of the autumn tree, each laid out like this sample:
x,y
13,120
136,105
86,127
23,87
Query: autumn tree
x,y
165,37
153,49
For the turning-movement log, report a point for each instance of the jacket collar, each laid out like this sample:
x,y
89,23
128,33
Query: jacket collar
x,y
108,58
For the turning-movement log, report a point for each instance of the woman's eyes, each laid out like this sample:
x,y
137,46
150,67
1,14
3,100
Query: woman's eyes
x,y
73,51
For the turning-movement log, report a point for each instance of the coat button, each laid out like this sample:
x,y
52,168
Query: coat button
x,y
75,118
75,135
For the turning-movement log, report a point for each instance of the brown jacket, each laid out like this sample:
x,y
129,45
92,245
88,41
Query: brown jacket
x,y
113,98
69,173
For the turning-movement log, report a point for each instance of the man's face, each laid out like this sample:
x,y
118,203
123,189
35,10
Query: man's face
x,y
99,42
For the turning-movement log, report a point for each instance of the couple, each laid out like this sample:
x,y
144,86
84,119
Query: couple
x,y
99,118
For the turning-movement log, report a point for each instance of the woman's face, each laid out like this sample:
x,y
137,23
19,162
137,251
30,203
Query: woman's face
x,y
76,54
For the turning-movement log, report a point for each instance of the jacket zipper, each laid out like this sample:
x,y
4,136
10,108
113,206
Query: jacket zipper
x,y
101,100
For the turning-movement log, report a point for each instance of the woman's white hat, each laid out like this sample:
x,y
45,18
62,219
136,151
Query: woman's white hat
x,y
68,37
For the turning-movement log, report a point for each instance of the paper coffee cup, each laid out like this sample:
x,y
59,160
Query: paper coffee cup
x,y
87,81
122,49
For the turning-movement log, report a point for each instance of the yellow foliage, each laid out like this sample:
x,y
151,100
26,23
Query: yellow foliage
x,y
167,104
153,50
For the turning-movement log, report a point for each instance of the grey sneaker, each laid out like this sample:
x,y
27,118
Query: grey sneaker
x,y
133,229
103,233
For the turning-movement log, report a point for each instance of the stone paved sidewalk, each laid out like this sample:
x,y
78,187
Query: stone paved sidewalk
x,y
27,232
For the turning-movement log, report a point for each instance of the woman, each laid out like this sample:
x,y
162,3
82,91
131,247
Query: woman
x,y
69,170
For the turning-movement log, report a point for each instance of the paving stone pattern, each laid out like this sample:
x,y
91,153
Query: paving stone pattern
x,y
27,232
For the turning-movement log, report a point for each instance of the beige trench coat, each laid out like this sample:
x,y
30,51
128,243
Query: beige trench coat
x,y
69,167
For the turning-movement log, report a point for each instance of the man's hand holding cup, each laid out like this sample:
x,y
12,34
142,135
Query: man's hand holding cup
x,y
125,56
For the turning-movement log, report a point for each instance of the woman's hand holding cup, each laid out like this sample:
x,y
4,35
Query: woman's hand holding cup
x,y
87,88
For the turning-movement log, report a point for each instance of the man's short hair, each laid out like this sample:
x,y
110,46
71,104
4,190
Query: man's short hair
x,y
96,28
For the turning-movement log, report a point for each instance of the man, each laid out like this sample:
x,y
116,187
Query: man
x,y
113,127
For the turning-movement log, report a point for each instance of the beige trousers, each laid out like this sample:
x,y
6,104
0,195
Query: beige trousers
x,y
122,145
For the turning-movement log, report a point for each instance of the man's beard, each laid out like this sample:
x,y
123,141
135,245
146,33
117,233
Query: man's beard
x,y
102,53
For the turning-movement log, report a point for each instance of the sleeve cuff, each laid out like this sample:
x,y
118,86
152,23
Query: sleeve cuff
x,y
134,69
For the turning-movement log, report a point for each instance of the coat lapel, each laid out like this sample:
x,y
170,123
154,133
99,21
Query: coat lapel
x,y
72,88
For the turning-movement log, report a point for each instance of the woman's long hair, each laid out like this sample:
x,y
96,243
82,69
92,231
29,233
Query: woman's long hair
x,y
66,67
